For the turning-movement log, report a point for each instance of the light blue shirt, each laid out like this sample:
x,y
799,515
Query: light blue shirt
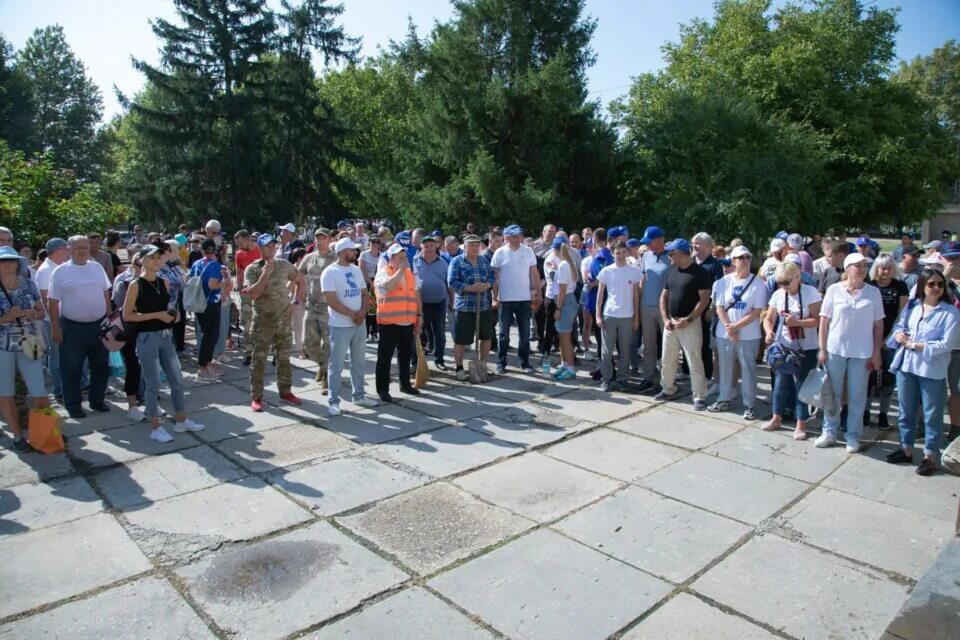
x,y
654,271
938,333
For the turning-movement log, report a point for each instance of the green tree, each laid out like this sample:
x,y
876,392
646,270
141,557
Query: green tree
x,y
16,100
937,78
67,104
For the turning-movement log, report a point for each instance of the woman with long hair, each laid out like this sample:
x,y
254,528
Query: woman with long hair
x,y
565,314
149,306
131,364
885,276
923,337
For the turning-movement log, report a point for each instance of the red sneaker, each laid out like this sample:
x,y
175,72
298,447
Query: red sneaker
x,y
256,405
292,399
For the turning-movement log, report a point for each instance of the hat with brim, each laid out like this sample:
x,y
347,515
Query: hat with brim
x,y
933,260
394,250
911,250
148,250
322,231
951,250
933,244
853,258
343,244
467,239
652,233
512,230
289,227
426,239
740,251
678,244
265,239
9,253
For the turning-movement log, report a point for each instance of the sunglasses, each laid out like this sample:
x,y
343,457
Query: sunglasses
x,y
935,285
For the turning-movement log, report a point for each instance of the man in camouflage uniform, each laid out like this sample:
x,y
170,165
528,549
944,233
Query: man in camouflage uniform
x,y
316,332
266,282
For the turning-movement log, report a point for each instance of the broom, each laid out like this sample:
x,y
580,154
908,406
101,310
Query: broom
x,y
423,374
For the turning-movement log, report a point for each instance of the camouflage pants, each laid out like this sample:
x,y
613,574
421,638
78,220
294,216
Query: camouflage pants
x,y
246,320
270,331
316,339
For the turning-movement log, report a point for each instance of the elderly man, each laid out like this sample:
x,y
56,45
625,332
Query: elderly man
x,y
451,248
435,297
139,237
99,255
471,277
78,299
362,239
703,255
212,231
399,316
543,244
57,253
316,329
516,285
289,241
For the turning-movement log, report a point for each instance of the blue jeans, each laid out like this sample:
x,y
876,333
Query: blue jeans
x,y
434,326
785,387
52,360
81,343
854,370
744,352
342,340
508,312
916,392
156,351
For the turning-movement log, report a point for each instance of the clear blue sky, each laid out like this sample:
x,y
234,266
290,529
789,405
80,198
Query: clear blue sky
x,y
105,33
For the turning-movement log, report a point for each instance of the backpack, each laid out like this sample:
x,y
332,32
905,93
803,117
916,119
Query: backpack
x,y
194,296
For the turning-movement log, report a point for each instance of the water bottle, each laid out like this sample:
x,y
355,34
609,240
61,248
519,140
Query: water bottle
x,y
545,367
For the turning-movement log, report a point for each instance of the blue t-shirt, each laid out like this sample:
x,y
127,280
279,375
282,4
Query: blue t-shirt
x,y
433,279
206,269
654,271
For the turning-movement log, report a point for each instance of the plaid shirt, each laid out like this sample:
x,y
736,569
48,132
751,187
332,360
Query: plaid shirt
x,y
461,274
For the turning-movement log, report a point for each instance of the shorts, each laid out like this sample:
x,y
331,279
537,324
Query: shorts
x,y
953,373
568,315
30,370
466,326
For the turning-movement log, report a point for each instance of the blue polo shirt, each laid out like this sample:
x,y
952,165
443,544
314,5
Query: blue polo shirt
x,y
654,271
433,279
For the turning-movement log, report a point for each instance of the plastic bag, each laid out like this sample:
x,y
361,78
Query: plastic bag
x,y
117,368
817,391
43,430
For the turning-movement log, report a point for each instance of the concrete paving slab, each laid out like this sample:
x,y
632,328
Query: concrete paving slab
x,y
725,487
933,610
521,388
546,586
117,417
64,560
688,617
215,395
29,507
430,527
690,431
535,486
275,587
802,591
878,534
338,485
448,451
388,422
146,608
784,456
228,422
314,406
178,529
656,534
413,614
28,468
868,476
594,405
460,403
124,444
151,479
282,447
616,454
527,424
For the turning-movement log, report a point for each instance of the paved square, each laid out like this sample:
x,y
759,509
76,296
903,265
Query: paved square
x,y
448,451
124,444
616,454
28,507
281,447
429,528
593,405
527,424
547,586
686,616
681,429
783,456
383,424
227,422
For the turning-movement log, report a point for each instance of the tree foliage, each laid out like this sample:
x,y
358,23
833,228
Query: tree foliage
x,y
937,78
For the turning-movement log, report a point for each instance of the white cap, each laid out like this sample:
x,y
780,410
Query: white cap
x,y
213,225
795,240
933,260
346,243
740,251
853,258
777,245
394,250
794,258
289,227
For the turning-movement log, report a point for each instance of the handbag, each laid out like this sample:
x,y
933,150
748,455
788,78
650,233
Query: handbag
x,y
30,344
43,430
781,358
111,332
817,390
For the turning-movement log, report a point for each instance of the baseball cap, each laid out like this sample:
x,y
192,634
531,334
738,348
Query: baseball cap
x,y
322,231
795,241
777,244
404,239
148,250
853,258
345,243
513,230
782,235
863,242
265,239
55,243
794,258
393,250
934,244
289,227
437,233
617,232
343,224
467,239
559,241
933,260
950,250
652,233
633,242
740,251
679,244
911,250
428,239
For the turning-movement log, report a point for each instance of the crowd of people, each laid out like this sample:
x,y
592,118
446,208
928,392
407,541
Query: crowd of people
x,y
641,313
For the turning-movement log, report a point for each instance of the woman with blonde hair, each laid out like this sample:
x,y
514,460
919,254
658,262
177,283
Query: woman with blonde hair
x,y
566,278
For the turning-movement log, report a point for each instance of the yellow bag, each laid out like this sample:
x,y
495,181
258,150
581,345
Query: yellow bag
x,y
43,431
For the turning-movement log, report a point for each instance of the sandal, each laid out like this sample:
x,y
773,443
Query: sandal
x,y
772,424
800,433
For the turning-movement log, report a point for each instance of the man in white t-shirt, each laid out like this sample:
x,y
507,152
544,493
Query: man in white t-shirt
x,y
345,292
78,298
618,315
57,254
362,238
517,285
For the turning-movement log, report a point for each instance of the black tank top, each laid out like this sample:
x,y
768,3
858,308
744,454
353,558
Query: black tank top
x,y
152,297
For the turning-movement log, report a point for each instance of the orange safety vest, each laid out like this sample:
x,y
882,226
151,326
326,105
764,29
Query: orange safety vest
x,y
398,306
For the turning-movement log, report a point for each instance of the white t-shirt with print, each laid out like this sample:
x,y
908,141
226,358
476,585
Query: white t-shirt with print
x,y
351,290
514,266
619,289
810,295
724,293
851,320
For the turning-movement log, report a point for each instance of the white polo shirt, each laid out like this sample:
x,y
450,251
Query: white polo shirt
x,y
79,288
514,266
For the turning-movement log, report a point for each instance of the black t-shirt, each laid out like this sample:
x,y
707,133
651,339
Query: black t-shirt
x,y
713,267
684,286
891,302
830,276
116,262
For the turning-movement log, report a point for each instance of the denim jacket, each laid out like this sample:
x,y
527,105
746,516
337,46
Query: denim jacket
x,y
938,333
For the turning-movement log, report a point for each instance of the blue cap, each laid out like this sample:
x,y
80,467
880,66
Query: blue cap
x,y
342,224
864,242
950,250
851,248
403,239
265,239
559,240
782,235
617,232
513,230
678,244
633,242
437,233
588,242
605,256
652,233
726,262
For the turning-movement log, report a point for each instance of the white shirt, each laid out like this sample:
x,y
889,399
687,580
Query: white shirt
x,y
768,268
819,266
348,283
564,276
724,293
514,266
42,278
369,263
810,296
363,240
851,320
620,287
79,288
551,263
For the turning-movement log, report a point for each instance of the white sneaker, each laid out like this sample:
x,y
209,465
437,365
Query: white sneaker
x,y
462,375
713,389
853,446
136,415
187,425
160,435
333,410
825,440
366,402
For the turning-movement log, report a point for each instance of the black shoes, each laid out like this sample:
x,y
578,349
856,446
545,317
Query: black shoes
x,y
410,391
644,386
20,445
386,397
866,418
77,414
101,407
883,422
246,361
927,467
898,457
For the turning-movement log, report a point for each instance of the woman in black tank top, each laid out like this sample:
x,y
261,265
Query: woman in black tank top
x,y
147,305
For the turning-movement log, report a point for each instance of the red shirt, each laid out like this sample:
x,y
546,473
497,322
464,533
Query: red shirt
x,y
244,258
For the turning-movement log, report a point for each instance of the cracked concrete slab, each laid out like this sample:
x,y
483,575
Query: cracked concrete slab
x,y
281,447
28,507
784,456
30,467
121,445
527,424
594,405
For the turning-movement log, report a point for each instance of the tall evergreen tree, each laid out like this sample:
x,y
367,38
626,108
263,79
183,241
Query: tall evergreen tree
x,y
16,101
